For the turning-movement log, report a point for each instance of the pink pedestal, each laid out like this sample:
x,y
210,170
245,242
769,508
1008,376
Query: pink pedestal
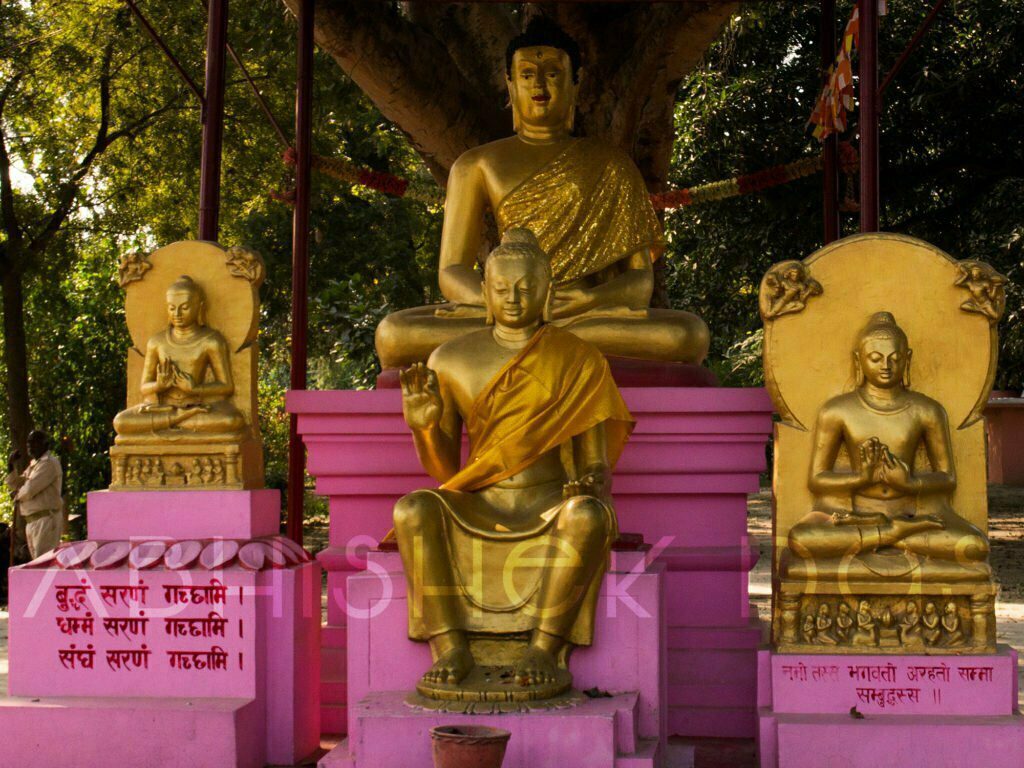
x,y
184,514
596,733
682,482
628,656
915,710
1004,424
204,652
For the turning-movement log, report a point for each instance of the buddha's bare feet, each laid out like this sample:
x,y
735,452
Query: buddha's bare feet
x,y
537,667
452,667
901,527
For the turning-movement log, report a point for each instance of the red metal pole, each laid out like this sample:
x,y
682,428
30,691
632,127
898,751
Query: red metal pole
x,y
300,260
868,119
213,120
830,147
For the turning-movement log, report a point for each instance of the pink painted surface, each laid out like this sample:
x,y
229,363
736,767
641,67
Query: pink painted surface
x,y
1004,423
260,644
184,514
963,714
596,733
628,653
682,483
895,685
99,732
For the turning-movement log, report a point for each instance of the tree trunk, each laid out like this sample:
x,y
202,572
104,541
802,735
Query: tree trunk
x,y
19,417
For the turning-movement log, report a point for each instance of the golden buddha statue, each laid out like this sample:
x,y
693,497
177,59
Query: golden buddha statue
x,y
190,417
879,484
894,488
186,375
505,559
584,200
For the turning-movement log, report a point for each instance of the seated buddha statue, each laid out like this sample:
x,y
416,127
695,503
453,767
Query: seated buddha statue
x,y
584,200
186,378
882,471
513,544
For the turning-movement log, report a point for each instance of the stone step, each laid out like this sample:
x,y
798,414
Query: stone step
x,y
95,732
595,733
712,722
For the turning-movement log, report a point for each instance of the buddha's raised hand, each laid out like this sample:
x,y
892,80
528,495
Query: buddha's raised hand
x,y
421,397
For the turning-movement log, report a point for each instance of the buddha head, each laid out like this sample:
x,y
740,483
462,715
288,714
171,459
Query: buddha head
x,y
517,281
186,305
542,67
882,355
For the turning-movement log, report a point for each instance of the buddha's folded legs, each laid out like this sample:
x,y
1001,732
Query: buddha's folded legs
x,y
410,335
669,335
581,538
220,418
432,587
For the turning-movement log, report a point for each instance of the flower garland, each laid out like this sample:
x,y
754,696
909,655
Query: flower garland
x,y
346,171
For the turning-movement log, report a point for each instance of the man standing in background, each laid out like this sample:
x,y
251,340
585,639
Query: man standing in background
x,y
37,495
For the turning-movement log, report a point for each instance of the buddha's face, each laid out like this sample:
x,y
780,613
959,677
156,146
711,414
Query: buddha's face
x,y
516,291
182,308
541,87
883,360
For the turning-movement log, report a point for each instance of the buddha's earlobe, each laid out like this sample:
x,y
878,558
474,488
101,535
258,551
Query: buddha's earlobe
x,y
512,104
858,370
906,370
545,315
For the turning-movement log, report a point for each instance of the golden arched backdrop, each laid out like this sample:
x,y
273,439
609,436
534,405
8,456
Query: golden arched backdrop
x,y
808,353
230,288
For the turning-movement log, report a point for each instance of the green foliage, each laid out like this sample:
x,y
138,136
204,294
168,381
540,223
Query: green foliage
x,y
952,152
952,159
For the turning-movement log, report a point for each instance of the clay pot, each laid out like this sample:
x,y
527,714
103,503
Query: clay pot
x,y
468,746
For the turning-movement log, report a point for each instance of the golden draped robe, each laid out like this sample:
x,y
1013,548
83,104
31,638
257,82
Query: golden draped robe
x,y
553,390
588,207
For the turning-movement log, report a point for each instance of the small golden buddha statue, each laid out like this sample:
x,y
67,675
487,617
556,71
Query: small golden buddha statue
x,y
191,418
186,376
505,559
894,488
584,200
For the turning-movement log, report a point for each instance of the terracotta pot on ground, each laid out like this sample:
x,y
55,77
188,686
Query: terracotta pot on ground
x,y
468,746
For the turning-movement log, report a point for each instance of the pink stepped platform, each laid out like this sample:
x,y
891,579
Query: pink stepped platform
x,y
682,482
193,641
628,659
597,733
950,711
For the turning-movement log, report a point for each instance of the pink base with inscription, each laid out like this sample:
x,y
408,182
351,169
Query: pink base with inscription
x,y
682,483
949,711
203,651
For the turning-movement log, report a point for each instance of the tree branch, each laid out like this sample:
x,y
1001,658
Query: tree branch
x,y
410,76
8,214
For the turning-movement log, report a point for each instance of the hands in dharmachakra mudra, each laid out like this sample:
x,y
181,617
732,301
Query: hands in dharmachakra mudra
x,y
514,543
900,494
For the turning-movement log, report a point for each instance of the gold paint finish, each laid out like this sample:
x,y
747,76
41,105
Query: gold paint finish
x,y
512,547
587,204
881,510
191,420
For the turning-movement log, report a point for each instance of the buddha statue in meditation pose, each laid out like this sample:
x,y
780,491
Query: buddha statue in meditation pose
x,y
882,471
186,377
585,201
510,550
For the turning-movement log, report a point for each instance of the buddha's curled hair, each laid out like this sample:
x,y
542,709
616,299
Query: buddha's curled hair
x,y
520,244
883,325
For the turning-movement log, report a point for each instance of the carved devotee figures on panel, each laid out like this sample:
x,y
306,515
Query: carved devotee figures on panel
x,y
505,558
191,417
585,201
880,481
